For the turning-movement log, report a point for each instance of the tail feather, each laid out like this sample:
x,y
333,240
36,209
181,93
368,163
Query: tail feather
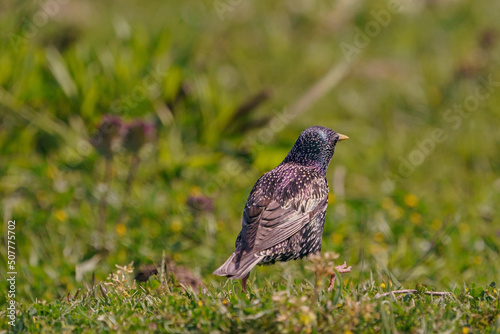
x,y
238,266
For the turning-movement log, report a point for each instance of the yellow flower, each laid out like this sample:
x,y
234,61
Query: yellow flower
x,y
121,229
465,330
61,215
415,218
382,285
348,332
478,260
224,301
411,200
200,303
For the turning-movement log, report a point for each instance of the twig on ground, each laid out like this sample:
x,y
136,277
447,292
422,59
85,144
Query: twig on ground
x,y
410,291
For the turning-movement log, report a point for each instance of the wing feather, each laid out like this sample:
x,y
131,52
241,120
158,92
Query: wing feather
x,y
274,214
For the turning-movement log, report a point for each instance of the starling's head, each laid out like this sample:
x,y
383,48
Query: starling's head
x,y
315,147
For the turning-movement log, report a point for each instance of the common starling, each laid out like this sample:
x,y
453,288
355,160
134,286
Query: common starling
x,y
285,213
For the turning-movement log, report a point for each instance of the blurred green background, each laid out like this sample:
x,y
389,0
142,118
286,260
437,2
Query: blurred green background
x,y
218,80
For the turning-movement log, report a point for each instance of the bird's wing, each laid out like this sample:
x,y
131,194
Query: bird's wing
x,y
274,215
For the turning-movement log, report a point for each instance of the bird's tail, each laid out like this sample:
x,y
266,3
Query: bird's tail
x,y
238,265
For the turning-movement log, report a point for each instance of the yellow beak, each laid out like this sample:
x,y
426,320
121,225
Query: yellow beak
x,y
342,137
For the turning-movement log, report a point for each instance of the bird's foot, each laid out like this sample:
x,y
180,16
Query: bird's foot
x,y
341,269
244,283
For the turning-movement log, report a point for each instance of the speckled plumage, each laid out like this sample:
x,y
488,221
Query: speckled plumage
x,y
285,213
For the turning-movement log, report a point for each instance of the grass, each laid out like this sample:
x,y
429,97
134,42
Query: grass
x,y
414,190
118,304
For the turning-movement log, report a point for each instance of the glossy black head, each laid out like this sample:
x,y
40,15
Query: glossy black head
x,y
314,148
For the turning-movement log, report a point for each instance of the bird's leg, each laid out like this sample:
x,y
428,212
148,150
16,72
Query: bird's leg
x,y
244,283
341,269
